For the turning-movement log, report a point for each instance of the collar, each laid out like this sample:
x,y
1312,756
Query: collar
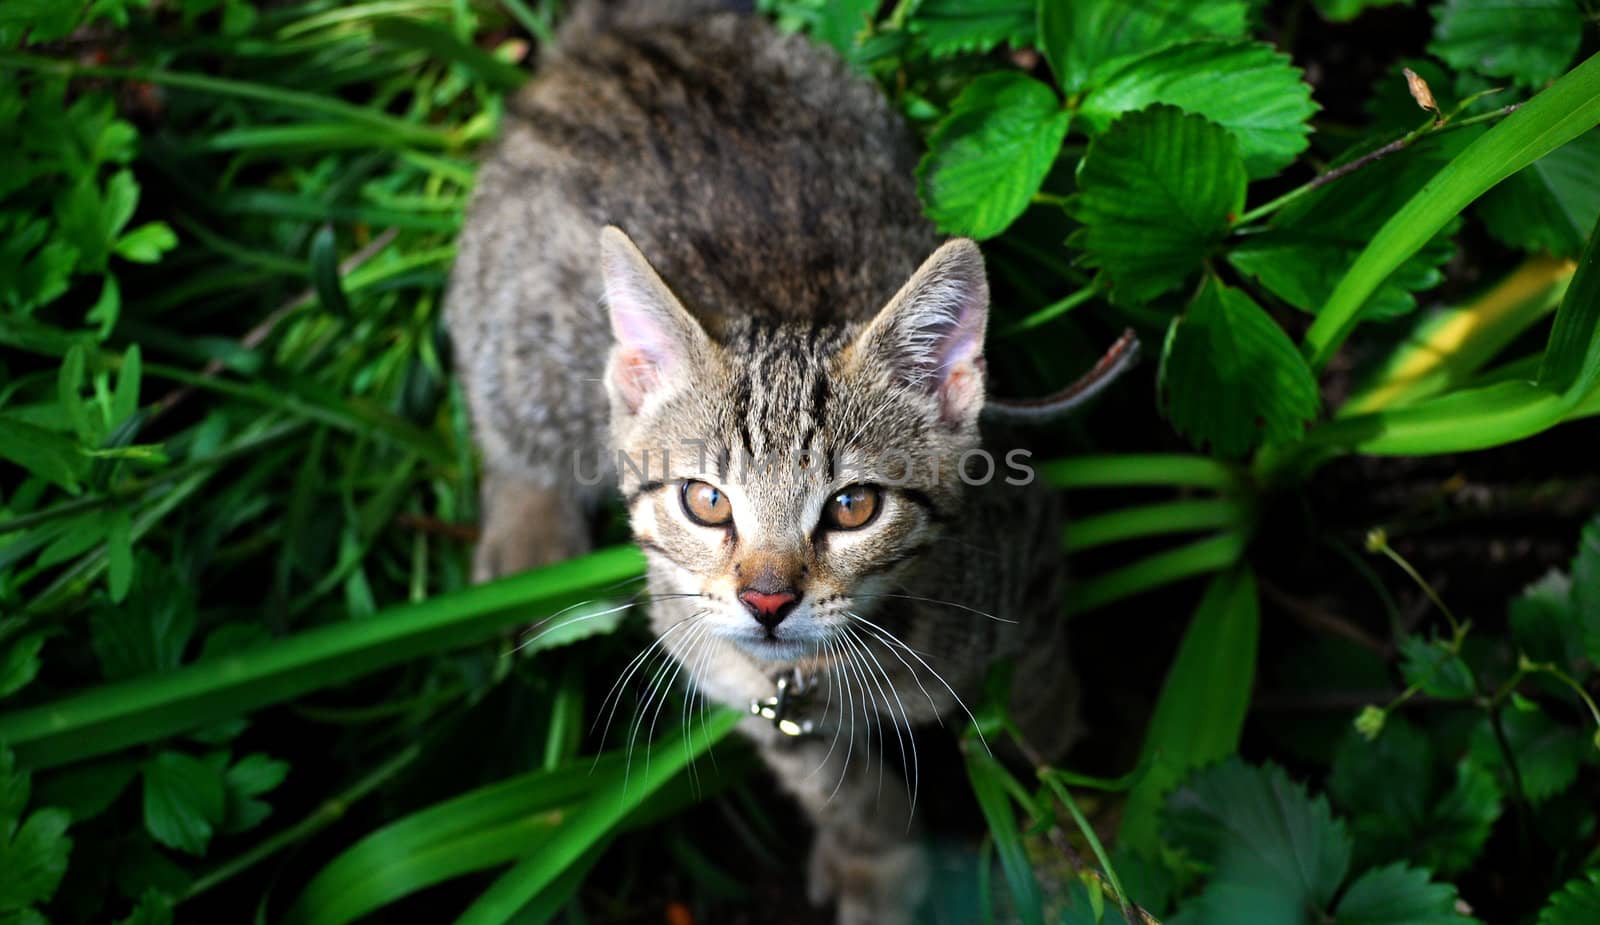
x,y
791,688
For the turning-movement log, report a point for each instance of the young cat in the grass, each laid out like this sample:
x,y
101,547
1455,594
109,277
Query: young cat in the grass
x,y
791,366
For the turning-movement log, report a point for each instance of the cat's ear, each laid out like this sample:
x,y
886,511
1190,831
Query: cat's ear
x,y
930,334
656,337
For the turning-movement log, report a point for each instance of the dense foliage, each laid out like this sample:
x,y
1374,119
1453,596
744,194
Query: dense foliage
x,y
242,674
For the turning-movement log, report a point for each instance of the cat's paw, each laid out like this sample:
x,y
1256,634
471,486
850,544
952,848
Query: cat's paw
x,y
871,886
524,528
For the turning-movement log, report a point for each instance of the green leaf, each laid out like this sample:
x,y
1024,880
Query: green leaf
x,y
1230,378
146,243
119,555
1249,88
1571,364
832,23
1434,669
185,800
1156,194
952,27
1545,622
1085,40
150,632
1203,701
1398,895
1529,41
1398,808
1346,10
251,777
1547,753
1550,205
125,400
154,909
19,663
1565,110
1313,242
107,308
1577,903
44,453
1260,831
1586,587
34,858
86,790
987,157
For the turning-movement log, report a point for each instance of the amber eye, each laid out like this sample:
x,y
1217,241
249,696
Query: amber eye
x,y
705,504
851,508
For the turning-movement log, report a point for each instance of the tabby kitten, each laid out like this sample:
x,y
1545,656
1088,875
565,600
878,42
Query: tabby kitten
x,y
696,258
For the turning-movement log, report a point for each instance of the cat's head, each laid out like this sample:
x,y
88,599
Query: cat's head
x,y
791,474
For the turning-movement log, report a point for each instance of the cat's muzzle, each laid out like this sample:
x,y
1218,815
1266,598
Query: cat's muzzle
x,y
792,688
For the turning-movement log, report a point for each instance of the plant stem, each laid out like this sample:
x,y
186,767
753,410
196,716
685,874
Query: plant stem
x,y
1089,835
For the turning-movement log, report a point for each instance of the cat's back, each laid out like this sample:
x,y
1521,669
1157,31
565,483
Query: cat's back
x,y
753,169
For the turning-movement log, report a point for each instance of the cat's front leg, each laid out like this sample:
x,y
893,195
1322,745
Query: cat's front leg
x,y
526,526
864,854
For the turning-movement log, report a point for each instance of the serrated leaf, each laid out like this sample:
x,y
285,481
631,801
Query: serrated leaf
x,y
1550,205
184,801
1249,88
146,243
149,632
1547,753
1433,668
1398,895
251,777
1230,378
1577,903
952,27
1545,623
1529,41
1399,809
1312,243
987,157
1086,39
1156,193
1261,831
34,858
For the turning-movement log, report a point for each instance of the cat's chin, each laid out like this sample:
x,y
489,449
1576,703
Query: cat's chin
x,y
768,649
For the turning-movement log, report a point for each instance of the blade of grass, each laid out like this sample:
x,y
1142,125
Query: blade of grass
x,y
385,128
615,796
1152,520
114,716
1208,555
1558,114
1139,469
989,786
1203,701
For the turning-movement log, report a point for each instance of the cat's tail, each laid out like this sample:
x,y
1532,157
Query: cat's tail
x,y
590,17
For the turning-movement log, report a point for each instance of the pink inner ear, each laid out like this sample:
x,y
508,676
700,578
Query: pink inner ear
x,y
635,375
961,392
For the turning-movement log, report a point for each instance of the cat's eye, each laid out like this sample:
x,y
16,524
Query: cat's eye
x,y
852,508
705,504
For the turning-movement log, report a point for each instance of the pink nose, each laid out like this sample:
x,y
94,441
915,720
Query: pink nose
x,y
768,609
